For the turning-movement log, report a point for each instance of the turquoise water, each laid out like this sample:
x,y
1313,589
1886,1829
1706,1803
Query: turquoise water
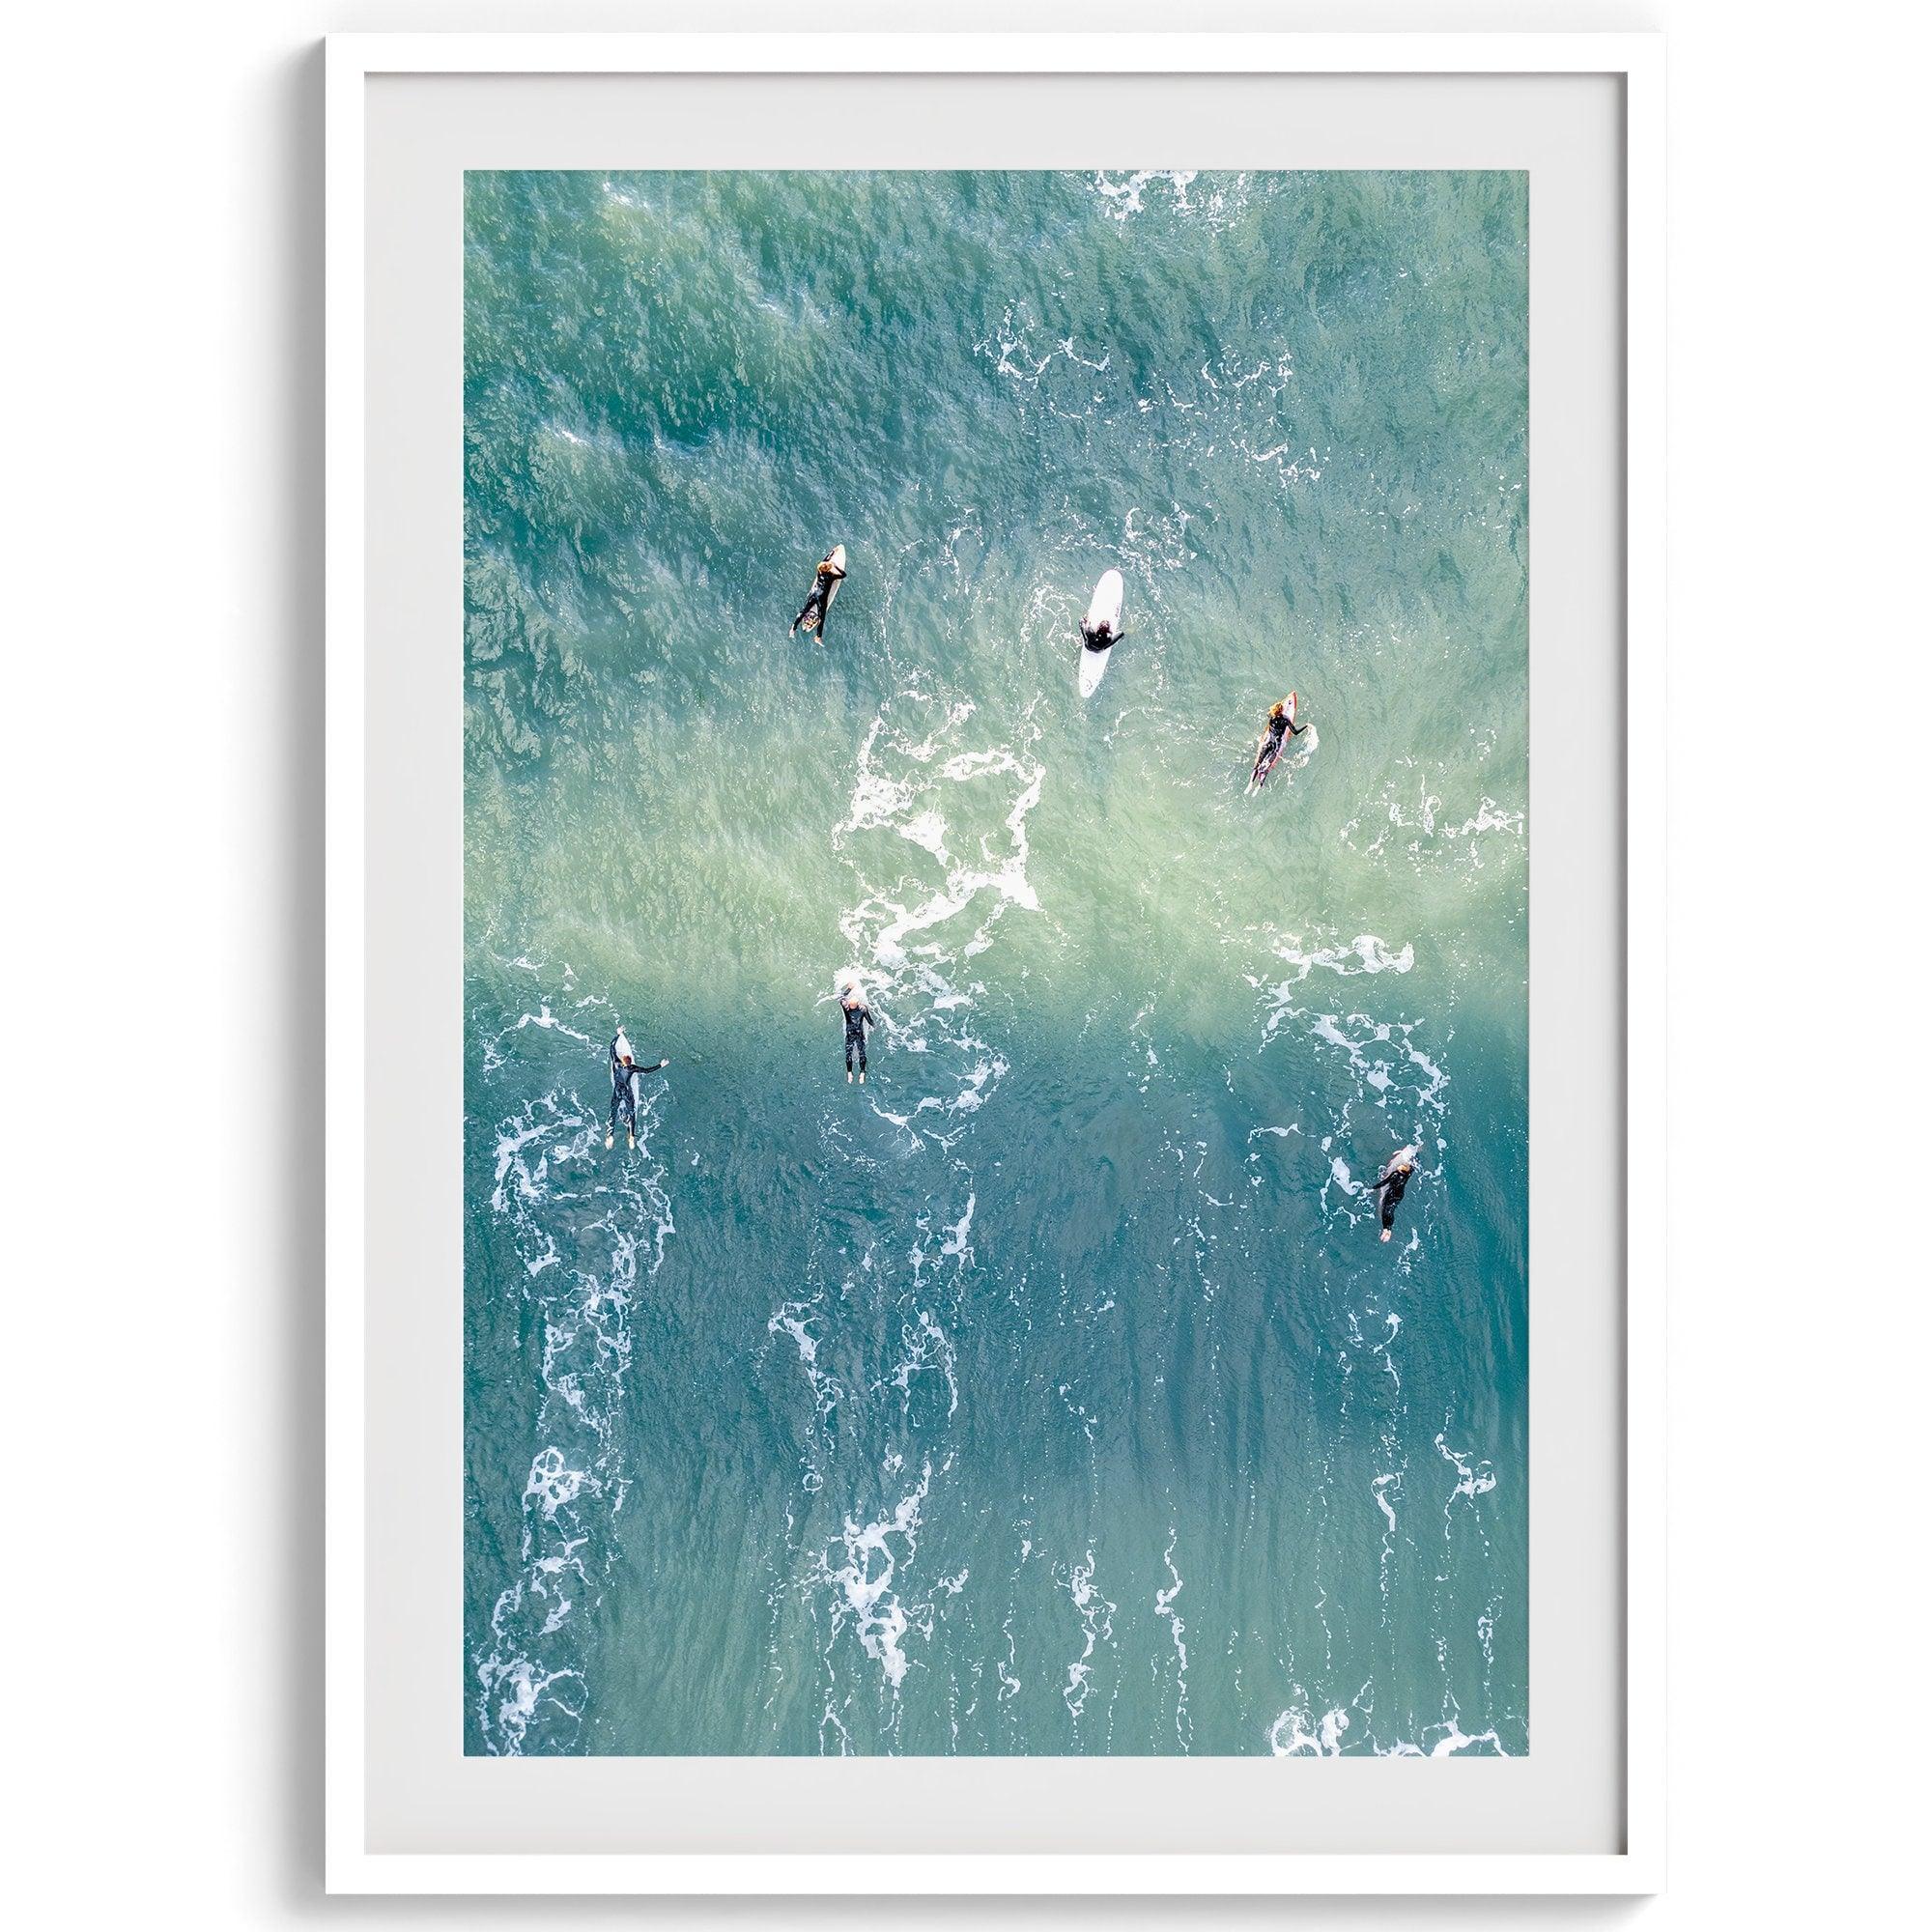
x,y
1052,1392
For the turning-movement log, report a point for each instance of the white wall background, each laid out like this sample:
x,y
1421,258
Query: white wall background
x,y
160,766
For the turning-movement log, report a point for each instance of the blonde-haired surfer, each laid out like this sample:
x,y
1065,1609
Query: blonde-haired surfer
x,y
825,583
1281,726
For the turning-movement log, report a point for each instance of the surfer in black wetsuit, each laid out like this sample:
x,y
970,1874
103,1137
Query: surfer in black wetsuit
x,y
830,572
1281,727
857,1017
1391,1186
1098,636
624,1076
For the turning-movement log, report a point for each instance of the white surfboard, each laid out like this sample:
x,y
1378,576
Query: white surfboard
x,y
1109,594
1407,1153
832,590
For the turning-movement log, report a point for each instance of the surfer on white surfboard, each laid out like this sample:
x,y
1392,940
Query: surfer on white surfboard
x,y
825,583
1281,727
1395,1177
625,1073
1101,630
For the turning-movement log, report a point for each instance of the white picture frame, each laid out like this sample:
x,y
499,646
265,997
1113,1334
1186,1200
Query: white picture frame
x,y
352,61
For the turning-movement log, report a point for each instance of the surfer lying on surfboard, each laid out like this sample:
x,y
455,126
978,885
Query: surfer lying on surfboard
x,y
1281,727
1396,1176
825,585
1101,630
625,1073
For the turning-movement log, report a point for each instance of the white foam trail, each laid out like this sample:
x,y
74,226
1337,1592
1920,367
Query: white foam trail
x,y
1379,1488
1455,1740
1163,1606
1417,811
864,1595
552,1485
790,1319
928,1347
1296,1734
1365,953
1472,1482
516,1690
955,1237
1096,1625
1126,198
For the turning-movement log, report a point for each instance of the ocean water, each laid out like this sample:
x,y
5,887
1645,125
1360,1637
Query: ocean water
x,y
1051,1393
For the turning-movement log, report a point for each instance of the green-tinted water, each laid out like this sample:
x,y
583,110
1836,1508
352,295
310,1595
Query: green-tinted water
x,y
1052,1392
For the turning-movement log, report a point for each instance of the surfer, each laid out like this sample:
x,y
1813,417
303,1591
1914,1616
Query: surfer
x,y
625,1073
1098,637
1281,727
857,1017
825,583
1395,1177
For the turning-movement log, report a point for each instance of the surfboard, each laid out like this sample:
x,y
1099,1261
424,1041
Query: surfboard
x,y
1396,1160
1109,594
832,588
1255,784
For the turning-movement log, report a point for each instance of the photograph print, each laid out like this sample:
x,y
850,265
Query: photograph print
x,y
995,1061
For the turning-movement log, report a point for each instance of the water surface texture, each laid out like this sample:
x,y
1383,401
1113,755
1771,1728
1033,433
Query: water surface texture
x,y
1051,1393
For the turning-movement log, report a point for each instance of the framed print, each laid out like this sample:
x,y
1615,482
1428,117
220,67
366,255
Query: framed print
x,y
995,951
